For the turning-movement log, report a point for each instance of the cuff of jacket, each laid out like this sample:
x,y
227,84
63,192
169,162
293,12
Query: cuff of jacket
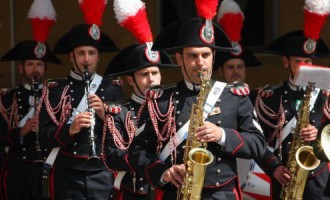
x,y
233,142
155,171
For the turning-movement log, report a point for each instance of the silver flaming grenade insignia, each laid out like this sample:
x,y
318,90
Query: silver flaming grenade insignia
x,y
152,56
310,46
40,50
94,32
207,33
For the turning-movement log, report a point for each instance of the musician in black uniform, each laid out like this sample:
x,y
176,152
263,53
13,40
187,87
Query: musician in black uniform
x,y
232,67
19,123
67,123
278,121
230,130
142,73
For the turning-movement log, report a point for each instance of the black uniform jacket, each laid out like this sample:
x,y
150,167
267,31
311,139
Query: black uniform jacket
x,y
243,139
20,148
117,159
289,96
75,150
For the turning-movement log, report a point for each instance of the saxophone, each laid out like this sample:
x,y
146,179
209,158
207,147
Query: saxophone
x,y
301,156
196,157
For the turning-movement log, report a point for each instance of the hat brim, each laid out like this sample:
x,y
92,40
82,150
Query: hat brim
x,y
25,51
79,36
132,58
186,33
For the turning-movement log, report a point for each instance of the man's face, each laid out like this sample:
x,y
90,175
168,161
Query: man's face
x,y
194,60
233,70
145,78
33,69
293,62
85,56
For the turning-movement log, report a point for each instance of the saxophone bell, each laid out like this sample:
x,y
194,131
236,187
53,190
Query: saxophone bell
x,y
306,158
325,141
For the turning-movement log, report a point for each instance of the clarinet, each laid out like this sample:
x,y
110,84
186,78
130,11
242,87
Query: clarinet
x,y
35,86
92,151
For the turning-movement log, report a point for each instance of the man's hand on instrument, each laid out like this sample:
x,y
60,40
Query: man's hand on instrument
x,y
282,175
82,120
30,126
97,104
309,133
175,175
209,132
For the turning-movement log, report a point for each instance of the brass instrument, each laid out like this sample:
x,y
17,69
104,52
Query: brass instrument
x,y
325,139
196,157
301,156
35,87
92,151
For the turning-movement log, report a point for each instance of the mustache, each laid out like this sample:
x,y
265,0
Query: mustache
x,y
35,76
197,69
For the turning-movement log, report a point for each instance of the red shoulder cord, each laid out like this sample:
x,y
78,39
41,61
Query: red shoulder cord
x,y
9,114
117,137
280,117
169,129
64,106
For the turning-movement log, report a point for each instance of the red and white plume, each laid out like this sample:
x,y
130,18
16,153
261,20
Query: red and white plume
x,y
93,10
231,18
315,13
206,8
131,14
42,17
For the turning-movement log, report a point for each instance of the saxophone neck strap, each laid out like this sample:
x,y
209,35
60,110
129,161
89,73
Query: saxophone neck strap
x,y
290,126
181,135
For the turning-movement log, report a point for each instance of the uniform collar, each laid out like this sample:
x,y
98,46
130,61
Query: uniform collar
x,y
79,77
191,86
29,87
294,87
138,99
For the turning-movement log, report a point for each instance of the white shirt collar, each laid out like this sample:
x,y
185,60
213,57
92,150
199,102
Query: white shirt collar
x,y
295,87
29,87
79,77
191,86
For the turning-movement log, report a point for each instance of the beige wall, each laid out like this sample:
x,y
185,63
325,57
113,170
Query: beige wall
x,y
291,18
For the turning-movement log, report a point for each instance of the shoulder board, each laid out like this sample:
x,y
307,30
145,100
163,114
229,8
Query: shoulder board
x,y
5,91
54,83
169,86
239,89
268,90
114,107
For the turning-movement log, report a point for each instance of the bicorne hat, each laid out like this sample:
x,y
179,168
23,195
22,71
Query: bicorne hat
x,y
25,51
191,32
87,34
131,14
230,18
292,44
42,17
